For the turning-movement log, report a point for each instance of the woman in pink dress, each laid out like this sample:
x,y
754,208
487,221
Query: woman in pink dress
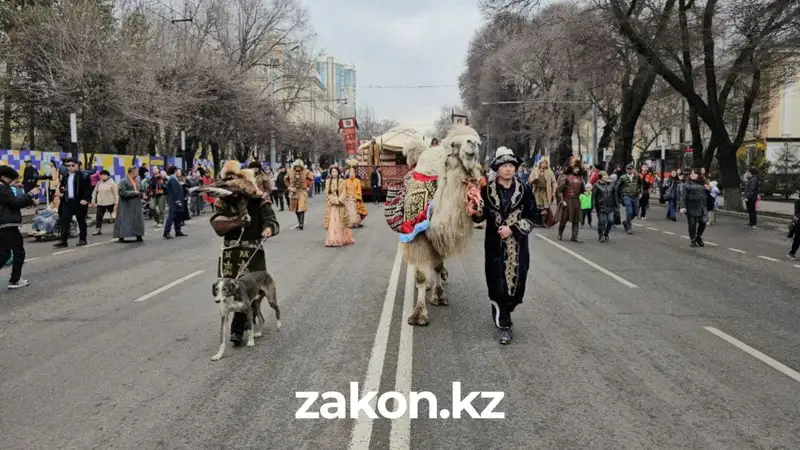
x,y
337,220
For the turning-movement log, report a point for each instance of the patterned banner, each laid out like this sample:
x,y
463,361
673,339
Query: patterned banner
x,y
350,141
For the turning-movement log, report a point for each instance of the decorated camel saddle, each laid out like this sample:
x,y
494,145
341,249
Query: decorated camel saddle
x,y
408,209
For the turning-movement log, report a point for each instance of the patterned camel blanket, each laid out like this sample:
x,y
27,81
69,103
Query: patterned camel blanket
x,y
408,207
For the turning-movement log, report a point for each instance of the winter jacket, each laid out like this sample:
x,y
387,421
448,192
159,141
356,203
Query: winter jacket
x,y
630,185
753,188
10,206
604,197
694,199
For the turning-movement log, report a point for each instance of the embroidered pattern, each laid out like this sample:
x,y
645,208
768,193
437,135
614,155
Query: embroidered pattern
x,y
511,245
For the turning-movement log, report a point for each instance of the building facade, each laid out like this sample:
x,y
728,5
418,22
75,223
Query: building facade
x,y
338,79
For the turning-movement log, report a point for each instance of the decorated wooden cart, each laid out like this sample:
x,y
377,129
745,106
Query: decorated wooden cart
x,y
385,151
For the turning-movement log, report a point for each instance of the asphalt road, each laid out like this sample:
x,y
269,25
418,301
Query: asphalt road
x,y
610,350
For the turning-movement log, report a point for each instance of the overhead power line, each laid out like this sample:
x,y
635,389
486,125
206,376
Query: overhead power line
x,y
418,86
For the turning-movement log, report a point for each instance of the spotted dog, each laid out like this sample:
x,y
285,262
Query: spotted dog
x,y
244,295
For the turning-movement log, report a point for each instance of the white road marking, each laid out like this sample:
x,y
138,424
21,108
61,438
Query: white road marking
x,y
294,227
596,266
362,429
669,233
99,243
400,436
168,286
83,246
27,260
797,265
788,371
736,250
637,225
651,228
685,237
711,244
768,258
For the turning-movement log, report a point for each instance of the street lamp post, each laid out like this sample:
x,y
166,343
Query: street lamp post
x,y
73,129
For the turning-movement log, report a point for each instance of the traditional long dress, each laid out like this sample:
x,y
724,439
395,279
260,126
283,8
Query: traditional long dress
x,y
337,220
507,260
355,202
130,216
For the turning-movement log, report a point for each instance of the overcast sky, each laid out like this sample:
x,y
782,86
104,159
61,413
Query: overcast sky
x,y
412,42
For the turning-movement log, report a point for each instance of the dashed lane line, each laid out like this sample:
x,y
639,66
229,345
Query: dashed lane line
x,y
27,260
168,286
685,237
788,371
711,244
736,250
797,265
596,266
669,233
637,224
768,258
64,251
651,228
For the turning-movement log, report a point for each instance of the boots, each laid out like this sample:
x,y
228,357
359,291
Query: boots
x,y
301,219
561,227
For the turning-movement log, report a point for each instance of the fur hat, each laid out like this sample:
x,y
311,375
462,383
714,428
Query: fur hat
x,y
233,177
298,163
504,155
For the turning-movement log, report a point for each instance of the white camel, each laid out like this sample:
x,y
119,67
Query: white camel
x,y
455,163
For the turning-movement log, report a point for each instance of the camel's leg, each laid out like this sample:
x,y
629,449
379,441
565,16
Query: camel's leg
x,y
442,271
420,314
438,297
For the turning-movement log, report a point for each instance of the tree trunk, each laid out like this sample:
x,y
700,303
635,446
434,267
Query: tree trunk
x,y
31,129
608,133
564,149
5,136
215,156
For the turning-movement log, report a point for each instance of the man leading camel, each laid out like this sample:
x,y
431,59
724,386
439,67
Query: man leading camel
x,y
510,211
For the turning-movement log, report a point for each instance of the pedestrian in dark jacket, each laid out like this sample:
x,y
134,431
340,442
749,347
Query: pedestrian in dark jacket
x,y
693,204
629,190
11,242
604,202
751,192
795,232
76,194
175,202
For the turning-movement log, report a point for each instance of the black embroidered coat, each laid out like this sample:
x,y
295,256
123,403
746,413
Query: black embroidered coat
x,y
507,260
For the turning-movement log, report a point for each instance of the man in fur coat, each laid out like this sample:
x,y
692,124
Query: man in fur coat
x,y
298,180
242,251
510,211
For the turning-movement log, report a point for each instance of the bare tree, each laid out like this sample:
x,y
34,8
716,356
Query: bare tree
x,y
741,39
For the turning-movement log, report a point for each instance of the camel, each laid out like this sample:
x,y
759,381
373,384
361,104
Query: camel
x,y
450,227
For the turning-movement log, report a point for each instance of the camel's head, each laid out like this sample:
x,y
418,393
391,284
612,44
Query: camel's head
x,y
463,143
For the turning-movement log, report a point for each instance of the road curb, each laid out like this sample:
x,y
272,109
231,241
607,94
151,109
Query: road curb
x,y
763,216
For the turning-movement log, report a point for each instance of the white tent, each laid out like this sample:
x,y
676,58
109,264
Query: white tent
x,y
394,139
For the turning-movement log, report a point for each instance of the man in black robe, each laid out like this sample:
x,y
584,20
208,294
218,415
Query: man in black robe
x,y
510,212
